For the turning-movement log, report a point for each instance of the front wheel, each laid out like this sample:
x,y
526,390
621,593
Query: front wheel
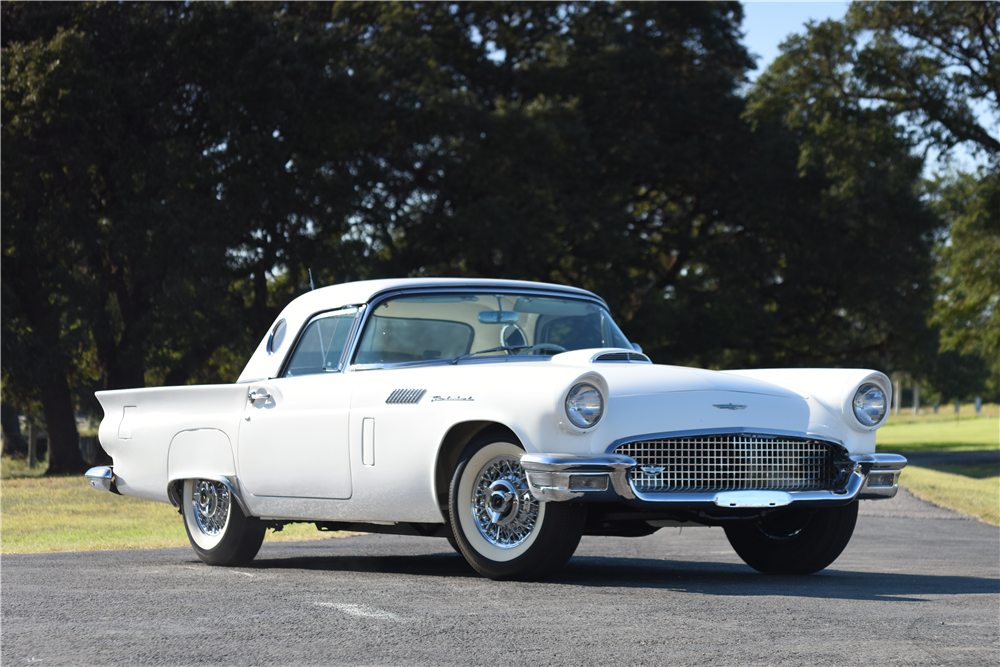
x,y
502,531
216,526
794,541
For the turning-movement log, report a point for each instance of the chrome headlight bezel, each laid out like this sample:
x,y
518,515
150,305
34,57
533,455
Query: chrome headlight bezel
x,y
870,404
585,405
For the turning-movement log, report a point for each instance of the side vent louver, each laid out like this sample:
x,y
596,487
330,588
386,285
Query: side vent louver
x,y
405,396
622,358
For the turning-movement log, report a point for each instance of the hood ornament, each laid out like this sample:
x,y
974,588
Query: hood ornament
x,y
729,406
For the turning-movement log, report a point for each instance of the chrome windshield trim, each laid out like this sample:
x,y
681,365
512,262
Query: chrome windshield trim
x,y
347,362
451,362
554,291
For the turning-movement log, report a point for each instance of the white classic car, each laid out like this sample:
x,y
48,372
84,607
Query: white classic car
x,y
508,417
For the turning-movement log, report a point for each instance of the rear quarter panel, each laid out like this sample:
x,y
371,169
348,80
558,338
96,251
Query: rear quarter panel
x,y
141,425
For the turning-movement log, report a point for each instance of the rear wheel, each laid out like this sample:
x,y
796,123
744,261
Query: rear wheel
x,y
794,541
216,526
498,525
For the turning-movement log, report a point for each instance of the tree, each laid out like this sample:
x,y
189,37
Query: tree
x,y
937,64
968,305
114,251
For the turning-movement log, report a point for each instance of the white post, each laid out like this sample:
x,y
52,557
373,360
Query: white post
x,y
32,443
916,398
895,399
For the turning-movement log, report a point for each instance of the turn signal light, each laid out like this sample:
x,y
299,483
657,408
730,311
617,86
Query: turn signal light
x,y
588,482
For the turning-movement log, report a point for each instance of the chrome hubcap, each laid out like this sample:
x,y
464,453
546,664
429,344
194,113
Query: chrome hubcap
x,y
504,510
211,506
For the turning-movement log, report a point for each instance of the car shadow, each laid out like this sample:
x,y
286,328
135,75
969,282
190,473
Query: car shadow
x,y
707,578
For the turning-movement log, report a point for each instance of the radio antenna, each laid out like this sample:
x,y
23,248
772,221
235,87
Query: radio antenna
x,y
311,285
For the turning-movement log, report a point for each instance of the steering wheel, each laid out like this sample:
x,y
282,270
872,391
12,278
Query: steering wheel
x,y
510,334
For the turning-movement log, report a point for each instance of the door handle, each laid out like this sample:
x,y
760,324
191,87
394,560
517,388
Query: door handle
x,y
254,395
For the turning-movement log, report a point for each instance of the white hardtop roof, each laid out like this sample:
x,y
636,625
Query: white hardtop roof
x,y
357,293
264,364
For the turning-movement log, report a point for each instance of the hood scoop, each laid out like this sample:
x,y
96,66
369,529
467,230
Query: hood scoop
x,y
621,358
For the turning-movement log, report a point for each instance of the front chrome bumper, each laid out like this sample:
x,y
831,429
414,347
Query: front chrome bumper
x,y
563,477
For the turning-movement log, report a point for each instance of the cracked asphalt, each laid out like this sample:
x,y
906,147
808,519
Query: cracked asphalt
x,y
918,585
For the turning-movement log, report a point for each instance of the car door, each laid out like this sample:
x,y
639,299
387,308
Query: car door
x,y
293,440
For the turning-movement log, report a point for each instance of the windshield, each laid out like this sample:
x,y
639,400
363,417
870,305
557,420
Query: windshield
x,y
449,326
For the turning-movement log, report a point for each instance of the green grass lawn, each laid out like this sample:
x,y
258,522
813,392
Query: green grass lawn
x,y
971,490
938,435
65,514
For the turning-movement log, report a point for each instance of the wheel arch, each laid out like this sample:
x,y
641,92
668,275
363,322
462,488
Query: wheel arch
x,y
202,453
452,446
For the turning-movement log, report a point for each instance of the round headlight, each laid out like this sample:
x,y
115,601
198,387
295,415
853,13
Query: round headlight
x,y
870,404
584,405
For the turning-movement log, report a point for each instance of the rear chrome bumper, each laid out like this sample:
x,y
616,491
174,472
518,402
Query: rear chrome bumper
x,y
102,478
564,477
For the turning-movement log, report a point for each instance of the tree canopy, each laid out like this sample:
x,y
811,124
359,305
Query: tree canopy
x,y
172,170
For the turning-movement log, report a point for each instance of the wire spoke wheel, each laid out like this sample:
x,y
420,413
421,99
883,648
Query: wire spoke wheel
x,y
500,528
504,509
211,502
217,528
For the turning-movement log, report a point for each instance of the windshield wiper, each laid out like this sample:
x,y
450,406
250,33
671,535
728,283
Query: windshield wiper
x,y
502,348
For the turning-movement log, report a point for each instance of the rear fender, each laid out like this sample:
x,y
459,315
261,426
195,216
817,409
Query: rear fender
x,y
204,453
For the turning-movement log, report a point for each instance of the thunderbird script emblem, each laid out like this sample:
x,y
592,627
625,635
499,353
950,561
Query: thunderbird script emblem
x,y
729,406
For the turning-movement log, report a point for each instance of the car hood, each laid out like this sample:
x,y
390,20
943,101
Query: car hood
x,y
630,378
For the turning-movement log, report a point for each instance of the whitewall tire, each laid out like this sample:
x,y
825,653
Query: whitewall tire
x,y
498,525
216,527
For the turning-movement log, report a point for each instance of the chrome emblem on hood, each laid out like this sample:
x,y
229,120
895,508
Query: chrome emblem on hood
x,y
729,406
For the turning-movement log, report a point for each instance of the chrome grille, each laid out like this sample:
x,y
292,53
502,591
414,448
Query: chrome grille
x,y
731,462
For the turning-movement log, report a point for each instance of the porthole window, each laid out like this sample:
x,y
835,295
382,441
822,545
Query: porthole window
x,y
277,337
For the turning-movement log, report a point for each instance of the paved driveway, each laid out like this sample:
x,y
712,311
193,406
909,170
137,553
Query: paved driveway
x,y
918,585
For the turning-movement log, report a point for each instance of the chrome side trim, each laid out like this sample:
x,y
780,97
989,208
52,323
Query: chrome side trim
x,y
228,482
102,478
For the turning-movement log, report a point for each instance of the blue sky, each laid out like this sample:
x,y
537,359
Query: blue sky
x,y
767,24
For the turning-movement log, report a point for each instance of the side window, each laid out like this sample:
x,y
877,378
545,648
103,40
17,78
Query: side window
x,y
322,344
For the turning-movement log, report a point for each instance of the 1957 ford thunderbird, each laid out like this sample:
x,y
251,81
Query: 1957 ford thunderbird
x,y
510,418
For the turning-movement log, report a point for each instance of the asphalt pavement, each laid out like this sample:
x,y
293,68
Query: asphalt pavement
x,y
918,585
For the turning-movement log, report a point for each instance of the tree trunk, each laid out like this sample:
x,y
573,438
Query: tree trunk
x,y
14,443
64,441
